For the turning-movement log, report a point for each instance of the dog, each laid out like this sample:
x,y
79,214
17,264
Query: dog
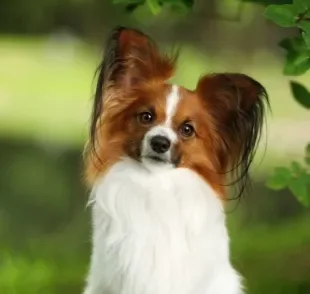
x,y
157,162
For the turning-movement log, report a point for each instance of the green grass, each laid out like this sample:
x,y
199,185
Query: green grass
x,y
262,253
274,258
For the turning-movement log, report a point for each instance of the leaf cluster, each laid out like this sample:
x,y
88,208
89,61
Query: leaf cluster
x,y
296,178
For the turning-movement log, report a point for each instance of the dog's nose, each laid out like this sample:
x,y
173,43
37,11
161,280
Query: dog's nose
x,y
160,144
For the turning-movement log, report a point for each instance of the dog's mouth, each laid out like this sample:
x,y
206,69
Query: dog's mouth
x,y
160,160
156,159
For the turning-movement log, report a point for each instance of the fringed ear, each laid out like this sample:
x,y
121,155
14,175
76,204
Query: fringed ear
x,y
135,58
236,105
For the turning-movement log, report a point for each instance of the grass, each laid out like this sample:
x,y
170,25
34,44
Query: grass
x,y
253,248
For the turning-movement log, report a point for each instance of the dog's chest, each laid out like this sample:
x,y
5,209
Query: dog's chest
x,y
159,233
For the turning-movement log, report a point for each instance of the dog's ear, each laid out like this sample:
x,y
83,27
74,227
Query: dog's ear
x,y
132,57
236,106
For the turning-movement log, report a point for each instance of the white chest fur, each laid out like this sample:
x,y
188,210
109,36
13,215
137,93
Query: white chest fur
x,y
158,232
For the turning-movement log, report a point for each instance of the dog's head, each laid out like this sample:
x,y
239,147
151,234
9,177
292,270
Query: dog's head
x,y
212,130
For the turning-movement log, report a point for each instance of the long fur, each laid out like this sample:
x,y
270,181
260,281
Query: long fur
x,y
158,233
237,105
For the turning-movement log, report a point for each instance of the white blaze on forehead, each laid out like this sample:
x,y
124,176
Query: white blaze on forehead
x,y
173,100
164,129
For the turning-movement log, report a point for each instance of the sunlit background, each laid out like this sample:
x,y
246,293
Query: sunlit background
x,y
49,51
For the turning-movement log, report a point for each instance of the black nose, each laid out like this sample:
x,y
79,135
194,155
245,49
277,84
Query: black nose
x,y
160,144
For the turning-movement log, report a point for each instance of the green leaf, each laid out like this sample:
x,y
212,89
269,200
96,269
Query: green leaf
x,y
302,5
280,179
297,65
299,188
282,15
154,6
301,94
306,37
297,57
305,26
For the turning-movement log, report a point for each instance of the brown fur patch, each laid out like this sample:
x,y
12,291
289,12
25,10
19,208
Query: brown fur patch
x,y
197,151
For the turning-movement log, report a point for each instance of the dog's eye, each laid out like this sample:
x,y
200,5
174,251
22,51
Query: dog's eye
x,y
145,117
187,130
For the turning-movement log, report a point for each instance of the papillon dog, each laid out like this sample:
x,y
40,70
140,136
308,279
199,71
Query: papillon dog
x,y
158,160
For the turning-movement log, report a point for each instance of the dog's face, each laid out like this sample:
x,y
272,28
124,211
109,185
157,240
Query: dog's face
x,y
151,136
164,125
138,114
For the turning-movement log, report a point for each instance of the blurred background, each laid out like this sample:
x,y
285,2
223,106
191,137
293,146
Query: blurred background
x,y
49,51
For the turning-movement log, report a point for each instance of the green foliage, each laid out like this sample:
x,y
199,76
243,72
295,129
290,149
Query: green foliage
x,y
296,178
282,15
289,15
155,6
301,94
280,178
297,57
294,15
